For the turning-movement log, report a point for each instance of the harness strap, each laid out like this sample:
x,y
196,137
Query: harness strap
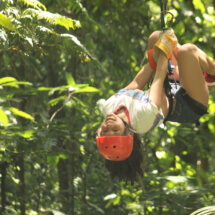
x,y
169,95
168,92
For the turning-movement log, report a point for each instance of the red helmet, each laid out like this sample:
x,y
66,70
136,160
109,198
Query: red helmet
x,y
115,148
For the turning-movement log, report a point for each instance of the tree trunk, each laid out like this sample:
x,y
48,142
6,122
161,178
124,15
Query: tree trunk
x,y
63,184
3,166
66,176
71,179
21,192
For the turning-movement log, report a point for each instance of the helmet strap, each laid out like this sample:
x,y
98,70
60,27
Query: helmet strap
x,y
127,127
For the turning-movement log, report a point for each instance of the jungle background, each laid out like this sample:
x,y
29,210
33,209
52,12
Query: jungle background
x,y
58,58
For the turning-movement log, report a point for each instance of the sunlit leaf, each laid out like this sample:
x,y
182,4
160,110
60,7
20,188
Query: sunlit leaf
x,y
2,149
29,40
34,3
199,5
134,206
66,22
20,113
60,89
87,90
45,88
54,159
25,134
15,180
176,179
6,22
110,196
82,150
73,38
57,19
16,83
3,36
3,118
6,80
70,80
55,101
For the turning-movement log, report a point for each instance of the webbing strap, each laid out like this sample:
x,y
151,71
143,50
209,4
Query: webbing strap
x,y
168,88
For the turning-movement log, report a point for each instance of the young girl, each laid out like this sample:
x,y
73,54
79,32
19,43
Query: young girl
x,y
132,111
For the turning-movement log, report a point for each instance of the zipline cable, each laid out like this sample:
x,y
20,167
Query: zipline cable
x,y
162,15
164,11
163,7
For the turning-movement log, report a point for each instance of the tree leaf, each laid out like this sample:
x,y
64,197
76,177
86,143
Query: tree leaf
x,y
57,19
18,112
87,89
17,83
98,209
204,211
45,88
29,40
73,38
3,36
34,3
6,22
4,118
70,80
66,22
55,101
6,80
25,134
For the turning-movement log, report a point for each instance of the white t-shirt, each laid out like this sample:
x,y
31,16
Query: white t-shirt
x,y
144,114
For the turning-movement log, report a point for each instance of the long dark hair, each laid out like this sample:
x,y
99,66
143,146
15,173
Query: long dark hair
x,y
131,169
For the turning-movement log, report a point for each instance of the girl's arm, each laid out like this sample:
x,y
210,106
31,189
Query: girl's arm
x,y
157,93
141,79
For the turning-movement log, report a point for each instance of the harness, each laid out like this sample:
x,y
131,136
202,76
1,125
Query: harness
x,y
172,101
168,88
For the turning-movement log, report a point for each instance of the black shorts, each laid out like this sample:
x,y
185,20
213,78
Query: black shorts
x,y
187,109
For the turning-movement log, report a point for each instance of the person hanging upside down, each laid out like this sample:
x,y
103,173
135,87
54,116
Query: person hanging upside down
x,y
183,98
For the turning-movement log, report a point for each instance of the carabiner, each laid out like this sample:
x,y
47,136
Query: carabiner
x,y
171,20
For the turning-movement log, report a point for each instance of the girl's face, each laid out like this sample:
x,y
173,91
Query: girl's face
x,y
112,126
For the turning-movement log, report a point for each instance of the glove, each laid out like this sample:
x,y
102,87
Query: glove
x,y
152,58
166,43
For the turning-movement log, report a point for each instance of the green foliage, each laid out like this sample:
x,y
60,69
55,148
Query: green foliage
x,y
205,210
10,112
57,59
34,3
28,28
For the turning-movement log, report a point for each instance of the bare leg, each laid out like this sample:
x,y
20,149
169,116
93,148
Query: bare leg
x,y
206,64
192,63
153,38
